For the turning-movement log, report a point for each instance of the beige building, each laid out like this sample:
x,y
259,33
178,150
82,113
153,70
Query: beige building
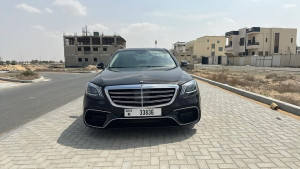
x,y
179,47
205,50
81,51
261,41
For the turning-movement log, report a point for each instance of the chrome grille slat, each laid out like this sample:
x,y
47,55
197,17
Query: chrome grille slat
x,y
146,95
133,97
122,101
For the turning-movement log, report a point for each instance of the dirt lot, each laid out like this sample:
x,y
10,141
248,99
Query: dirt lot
x,y
21,71
279,84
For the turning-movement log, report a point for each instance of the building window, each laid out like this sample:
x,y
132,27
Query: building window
x,y
213,46
276,43
266,53
95,59
253,53
220,48
218,41
104,48
79,48
79,59
182,55
292,40
207,40
212,53
87,48
86,59
260,53
95,49
242,41
266,40
207,48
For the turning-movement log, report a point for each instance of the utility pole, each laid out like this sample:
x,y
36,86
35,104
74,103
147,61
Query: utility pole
x,y
85,31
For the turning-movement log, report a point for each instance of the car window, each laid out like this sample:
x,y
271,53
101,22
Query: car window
x,y
142,58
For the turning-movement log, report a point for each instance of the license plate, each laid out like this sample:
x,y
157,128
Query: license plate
x,y
142,112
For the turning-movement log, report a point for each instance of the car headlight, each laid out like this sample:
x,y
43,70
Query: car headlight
x,y
93,90
189,87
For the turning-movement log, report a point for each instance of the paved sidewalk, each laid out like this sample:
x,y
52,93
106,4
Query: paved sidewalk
x,y
233,133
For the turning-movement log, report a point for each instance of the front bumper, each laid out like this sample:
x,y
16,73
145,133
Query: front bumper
x,y
100,113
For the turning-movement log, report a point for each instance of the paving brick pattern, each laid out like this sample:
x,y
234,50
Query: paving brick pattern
x,y
233,133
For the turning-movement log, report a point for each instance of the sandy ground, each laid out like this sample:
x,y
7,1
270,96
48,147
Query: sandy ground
x,y
274,83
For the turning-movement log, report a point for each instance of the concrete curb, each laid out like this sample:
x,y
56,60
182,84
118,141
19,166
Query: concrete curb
x,y
267,100
22,81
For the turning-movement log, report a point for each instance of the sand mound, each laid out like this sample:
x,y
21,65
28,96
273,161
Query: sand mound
x,y
13,68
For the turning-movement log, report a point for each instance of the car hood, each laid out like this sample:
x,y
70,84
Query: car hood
x,y
109,77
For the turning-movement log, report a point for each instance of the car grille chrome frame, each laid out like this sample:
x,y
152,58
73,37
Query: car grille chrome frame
x,y
141,95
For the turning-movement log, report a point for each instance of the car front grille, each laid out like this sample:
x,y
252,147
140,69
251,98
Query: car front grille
x,y
141,95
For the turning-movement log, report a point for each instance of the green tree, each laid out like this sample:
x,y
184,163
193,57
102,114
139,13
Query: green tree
x,y
13,62
7,62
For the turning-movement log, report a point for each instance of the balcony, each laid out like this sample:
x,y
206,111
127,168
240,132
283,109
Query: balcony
x,y
228,48
252,45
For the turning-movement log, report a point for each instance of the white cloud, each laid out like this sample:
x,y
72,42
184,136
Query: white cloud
x,y
47,34
38,28
48,10
98,28
72,7
289,5
27,8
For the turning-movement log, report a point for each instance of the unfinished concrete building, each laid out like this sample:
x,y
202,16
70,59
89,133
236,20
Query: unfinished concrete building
x,y
81,51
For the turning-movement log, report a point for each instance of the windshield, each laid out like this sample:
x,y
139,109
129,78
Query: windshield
x,y
142,58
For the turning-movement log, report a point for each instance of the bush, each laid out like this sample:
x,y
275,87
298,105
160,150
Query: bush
x,y
28,75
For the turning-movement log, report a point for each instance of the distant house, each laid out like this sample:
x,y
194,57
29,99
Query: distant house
x,y
261,41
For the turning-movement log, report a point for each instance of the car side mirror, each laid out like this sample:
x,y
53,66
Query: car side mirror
x,y
100,65
183,63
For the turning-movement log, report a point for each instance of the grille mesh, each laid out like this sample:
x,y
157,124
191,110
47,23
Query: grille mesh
x,y
145,97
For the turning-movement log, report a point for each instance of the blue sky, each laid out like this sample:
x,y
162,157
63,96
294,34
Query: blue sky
x,y
33,29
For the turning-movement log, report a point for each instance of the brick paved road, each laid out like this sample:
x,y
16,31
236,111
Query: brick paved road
x,y
233,133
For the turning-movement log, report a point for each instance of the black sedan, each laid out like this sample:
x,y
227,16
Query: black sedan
x,y
141,87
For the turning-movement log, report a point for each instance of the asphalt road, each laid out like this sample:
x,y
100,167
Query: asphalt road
x,y
19,105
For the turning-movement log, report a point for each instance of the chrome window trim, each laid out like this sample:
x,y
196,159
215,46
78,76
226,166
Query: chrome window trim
x,y
141,86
